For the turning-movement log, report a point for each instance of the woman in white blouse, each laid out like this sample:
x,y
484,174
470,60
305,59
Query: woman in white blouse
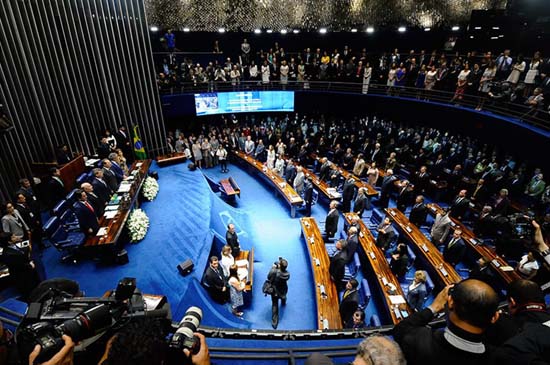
x,y
227,260
517,70
485,83
461,83
235,76
280,148
280,166
253,70
392,75
367,73
283,70
530,77
429,81
265,73
270,157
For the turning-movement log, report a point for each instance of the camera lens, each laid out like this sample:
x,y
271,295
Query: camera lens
x,y
192,319
87,323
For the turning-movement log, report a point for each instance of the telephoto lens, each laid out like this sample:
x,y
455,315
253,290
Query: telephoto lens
x,y
184,337
87,324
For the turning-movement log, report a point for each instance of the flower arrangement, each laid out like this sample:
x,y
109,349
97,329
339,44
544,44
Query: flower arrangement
x,y
137,225
150,188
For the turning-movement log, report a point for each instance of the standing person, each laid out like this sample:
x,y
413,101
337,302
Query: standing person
x,y
14,224
227,259
373,174
206,150
485,84
221,154
416,296
197,153
331,222
441,227
245,52
532,74
283,71
361,202
349,302
299,179
271,157
367,74
308,196
348,194
170,39
236,288
232,240
278,276
517,69
215,281
266,71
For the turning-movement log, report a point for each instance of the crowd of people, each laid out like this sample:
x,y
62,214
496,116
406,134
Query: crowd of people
x,y
486,76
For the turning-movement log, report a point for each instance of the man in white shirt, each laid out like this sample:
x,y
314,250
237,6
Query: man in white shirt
x,y
249,146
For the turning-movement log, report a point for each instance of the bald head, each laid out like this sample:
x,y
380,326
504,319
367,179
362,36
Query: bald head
x,y
87,187
474,302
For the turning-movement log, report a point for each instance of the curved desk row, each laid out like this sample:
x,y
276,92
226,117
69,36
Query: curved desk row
x,y
499,265
387,282
445,272
286,190
326,295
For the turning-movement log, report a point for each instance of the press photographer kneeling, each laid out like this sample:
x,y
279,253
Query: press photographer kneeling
x,y
61,327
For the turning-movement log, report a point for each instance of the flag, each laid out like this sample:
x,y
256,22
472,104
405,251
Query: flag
x,y
139,151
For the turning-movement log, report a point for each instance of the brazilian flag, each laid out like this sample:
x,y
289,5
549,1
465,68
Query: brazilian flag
x,y
139,151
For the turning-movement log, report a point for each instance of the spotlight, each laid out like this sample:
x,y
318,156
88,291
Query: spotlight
x,y
257,31
354,30
477,28
455,28
501,35
370,30
154,29
296,31
494,38
283,31
471,37
221,30
186,30
269,31
401,29
427,29
323,30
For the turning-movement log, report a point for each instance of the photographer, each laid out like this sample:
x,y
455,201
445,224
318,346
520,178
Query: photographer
x,y
278,276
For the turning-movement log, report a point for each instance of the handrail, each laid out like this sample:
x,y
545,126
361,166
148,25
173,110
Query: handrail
x,y
518,113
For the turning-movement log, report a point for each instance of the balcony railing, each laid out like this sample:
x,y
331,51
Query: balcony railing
x,y
517,112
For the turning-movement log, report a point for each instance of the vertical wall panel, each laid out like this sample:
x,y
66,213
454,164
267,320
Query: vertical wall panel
x,y
68,70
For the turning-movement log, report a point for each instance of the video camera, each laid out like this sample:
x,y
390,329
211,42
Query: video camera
x,y
80,318
521,225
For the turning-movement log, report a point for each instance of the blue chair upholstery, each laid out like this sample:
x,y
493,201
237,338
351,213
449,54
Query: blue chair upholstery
x,y
64,241
429,284
412,257
376,216
375,321
69,220
71,197
61,207
352,268
364,293
82,179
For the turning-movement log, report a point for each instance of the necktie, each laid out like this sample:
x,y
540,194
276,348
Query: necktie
x,y
89,206
451,243
346,294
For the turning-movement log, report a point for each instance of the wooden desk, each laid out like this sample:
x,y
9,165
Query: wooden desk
x,y
248,256
381,268
71,171
371,191
230,188
475,244
328,314
290,195
444,271
116,224
171,158
322,186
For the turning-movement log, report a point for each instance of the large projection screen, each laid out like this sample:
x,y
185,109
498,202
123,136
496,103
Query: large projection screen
x,y
243,102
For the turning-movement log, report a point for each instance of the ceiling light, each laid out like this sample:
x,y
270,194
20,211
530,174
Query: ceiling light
x,y
221,30
354,30
269,31
401,29
477,28
496,28
427,29
471,37
501,35
296,31
283,31
370,30
186,30
257,31
455,28
154,29
323,30
494,37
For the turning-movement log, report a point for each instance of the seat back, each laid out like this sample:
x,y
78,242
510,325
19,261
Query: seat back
x,y
412,257
375,321
50,226
61,207
71,197
429,284
69,218
364,293
314,197
82,178
376,216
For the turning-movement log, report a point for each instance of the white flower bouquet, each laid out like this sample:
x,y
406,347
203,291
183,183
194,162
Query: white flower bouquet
x,y
150,188
137,225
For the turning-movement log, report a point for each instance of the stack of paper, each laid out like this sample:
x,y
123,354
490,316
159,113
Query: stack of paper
x,y
102,231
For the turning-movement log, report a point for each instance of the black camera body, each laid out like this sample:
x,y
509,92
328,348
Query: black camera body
x,y
521,225
80,318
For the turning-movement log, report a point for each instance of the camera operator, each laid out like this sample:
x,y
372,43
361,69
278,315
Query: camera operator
x,y
63,357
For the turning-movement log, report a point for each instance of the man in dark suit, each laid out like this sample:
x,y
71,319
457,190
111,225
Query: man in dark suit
x,y
103,149
63,155
455,249
86,214
480,194
331,222
123,142
115,167
352,243
232,240
324,171
109,176
460,205
502,204
386,234
101,188
31,218
337,266
308,196
485,224
387,188
350,301
97,203
419,212
216,282
421,180
348,194
361,202
405,196
55,188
